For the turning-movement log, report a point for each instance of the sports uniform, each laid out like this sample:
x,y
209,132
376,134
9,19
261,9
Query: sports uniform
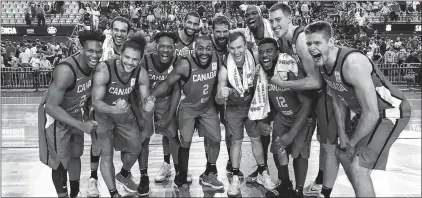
x,y
198,103
393,107
118,130
60,142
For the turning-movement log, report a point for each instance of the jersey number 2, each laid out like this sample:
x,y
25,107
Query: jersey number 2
x,y
205,92
281,101
83,100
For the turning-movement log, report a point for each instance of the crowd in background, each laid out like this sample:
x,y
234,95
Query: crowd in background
x,y
349,19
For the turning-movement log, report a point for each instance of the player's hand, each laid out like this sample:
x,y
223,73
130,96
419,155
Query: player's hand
x,y
185,52
224,92
89,126
121,107
141,124
345,155
265,129
163,123
149,104
277,146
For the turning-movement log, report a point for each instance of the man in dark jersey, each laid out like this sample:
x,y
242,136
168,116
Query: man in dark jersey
x,y
63,114
293,124
112,46
118,114
382,111
292,41
198,74
159,65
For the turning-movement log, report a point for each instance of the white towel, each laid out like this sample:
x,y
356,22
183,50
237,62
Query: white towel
x,y
285,63
260,106
244,83
268,33
108,49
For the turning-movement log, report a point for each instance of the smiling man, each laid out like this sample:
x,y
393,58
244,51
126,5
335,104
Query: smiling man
x,y
63,113
382,111
118,114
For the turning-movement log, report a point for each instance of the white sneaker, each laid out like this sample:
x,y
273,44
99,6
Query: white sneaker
x,y
92,190
234,188
265,180
163,173
189,178
312,189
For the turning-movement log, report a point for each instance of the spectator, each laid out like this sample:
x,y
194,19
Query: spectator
x,y
35,62
28,18
24,57
40,15
44,63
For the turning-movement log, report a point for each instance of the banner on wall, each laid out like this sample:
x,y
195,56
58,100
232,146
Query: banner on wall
x,y
48,30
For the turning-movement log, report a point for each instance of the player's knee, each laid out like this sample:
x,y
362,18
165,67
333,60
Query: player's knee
x,y
256,141
214,141
283,158
329,149
236,142
185,143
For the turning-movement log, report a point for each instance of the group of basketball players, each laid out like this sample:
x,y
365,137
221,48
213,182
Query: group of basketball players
x,y
131,95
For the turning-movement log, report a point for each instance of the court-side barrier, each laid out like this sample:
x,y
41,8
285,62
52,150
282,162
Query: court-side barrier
x,y
407,74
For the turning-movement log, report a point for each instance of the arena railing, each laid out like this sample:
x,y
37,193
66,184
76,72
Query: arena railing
x,y
407,74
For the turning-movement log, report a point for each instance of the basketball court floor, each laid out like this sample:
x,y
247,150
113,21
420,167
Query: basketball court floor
x,y
23,175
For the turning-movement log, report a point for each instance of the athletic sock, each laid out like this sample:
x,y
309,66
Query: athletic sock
x,y
319,177
167,158
113,192
236,171
74,188
211,168
94,174
144,172
265,140
299,188
176,168
300,166
183,162
283,173
326,191
261,168
124,172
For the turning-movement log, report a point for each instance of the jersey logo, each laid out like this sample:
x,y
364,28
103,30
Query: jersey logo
x,y
113,82
337,75
132,81
170,69
214,66
79,79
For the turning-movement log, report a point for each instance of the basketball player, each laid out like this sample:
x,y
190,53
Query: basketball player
x,y
63,113
381,109
117,114
112,46
159,65
293,127
237,116
198,74
292,41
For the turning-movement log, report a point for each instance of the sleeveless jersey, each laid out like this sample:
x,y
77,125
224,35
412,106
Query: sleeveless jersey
x,y
180,45
200,83
75,97
290,47
156,76
234,99
116,88
388,96
221,53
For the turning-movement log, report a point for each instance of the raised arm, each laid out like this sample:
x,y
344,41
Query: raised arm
x,y
181,70
312,80
63,79
222,86
357,72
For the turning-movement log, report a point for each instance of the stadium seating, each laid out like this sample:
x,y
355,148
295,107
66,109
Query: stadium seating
x,y
13,12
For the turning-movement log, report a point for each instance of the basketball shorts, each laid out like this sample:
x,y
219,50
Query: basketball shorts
x,y
120,131
58,142
220,110
160,111
207,123
237,121
301,144
374,148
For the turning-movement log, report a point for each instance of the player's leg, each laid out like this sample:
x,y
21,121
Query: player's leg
x,y
95,152
211,124
234,127
74,167
300,151
126,139
281,159
265,141
186,122
143,188
105,136
372,153
263,176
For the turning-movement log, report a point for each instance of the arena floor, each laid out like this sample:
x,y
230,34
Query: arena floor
x,y
24,175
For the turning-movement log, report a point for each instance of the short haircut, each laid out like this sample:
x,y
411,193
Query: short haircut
x,y
268,40
220,20
320,26
169,34
90,35
235,35
192,13
203,37
121,19
137,42
286,9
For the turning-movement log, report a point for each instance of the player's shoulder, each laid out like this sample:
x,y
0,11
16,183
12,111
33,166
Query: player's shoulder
x,y
356,60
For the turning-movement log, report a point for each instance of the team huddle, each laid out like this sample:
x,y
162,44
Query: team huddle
x,y
278,81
